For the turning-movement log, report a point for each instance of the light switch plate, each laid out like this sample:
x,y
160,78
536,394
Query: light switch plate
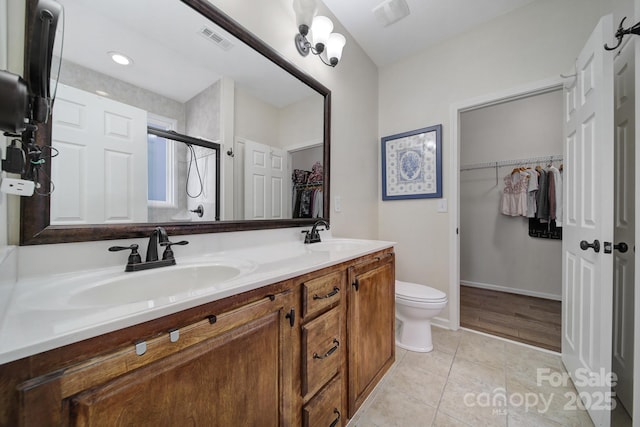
x,y
442,205
338,204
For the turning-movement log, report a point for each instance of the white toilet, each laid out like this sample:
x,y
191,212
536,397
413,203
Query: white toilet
x,y
416,305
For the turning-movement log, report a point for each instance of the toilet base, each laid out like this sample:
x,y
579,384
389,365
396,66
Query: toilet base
x,y
416,349
415,336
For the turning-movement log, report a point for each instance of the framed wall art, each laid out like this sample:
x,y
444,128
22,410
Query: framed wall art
x,y
412,164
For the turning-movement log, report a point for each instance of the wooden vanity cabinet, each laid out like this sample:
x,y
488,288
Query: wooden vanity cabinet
x,y
302,352
323,348
371,325
231,369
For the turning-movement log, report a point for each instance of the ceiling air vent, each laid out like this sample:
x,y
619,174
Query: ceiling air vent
x,y
216,38
391,11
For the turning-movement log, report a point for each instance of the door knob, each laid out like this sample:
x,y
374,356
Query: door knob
x,y
622,247
584,245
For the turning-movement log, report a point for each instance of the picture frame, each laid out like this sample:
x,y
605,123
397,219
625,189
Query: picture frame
x,y
412,164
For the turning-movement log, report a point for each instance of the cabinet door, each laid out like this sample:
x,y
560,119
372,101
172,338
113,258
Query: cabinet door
x,y
239,376
371,326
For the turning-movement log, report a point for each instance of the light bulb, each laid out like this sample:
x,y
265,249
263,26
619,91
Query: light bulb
x,y
320,30
335,44
305,11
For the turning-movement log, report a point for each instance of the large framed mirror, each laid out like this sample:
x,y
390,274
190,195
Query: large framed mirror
x,y
207,129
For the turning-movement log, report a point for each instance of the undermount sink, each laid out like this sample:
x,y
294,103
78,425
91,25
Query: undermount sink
x,y
337,245
151,288
159,284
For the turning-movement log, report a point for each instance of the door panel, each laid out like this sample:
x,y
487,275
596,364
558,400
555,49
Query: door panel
x,y
587,275
264,195
100,175
624,215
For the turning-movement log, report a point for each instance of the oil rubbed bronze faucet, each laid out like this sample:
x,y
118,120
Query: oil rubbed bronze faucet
x,y
312,235
158,237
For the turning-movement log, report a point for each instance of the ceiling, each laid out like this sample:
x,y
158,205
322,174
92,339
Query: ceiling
x,y
429,22
163,39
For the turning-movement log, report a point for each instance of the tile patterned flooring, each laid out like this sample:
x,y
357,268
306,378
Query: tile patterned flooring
x,y
471,380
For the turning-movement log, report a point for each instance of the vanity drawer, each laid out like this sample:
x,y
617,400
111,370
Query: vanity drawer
x,y
325,409
320,293
321,351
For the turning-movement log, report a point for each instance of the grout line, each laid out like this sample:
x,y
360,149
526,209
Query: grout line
x,y
532,347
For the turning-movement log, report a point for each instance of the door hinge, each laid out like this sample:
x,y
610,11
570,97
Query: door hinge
x,y
356,284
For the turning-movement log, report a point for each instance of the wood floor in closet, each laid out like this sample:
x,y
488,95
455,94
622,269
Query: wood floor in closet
x,y
531,320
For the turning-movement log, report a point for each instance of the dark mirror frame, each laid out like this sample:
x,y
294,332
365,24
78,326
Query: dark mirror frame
x,y
35,225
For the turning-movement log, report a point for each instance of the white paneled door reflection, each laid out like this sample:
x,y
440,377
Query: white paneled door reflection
x,y
100,174
264,181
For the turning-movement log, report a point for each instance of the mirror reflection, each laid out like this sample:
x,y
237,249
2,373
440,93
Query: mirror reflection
x,y
164,116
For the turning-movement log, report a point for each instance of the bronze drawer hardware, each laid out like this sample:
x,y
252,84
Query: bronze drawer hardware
x,y
329,352
329,295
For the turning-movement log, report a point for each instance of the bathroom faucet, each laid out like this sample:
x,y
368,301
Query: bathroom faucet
x,y
312,235
158,237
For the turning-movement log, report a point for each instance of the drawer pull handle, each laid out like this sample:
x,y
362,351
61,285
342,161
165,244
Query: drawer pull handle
x,y
329,352
329,295
335,422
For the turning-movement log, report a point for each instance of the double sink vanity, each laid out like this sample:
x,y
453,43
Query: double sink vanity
x,y
251,326
259,334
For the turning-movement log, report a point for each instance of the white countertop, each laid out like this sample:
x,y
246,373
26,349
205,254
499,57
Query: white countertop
x,y
42,315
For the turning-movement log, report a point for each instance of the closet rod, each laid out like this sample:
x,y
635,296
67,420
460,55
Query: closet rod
x,y
516,162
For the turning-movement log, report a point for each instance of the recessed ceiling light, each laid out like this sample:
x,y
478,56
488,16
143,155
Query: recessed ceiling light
x,y
120,58
102,93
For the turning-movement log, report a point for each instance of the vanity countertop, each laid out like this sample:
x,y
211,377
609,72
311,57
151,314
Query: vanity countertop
x,y
49,311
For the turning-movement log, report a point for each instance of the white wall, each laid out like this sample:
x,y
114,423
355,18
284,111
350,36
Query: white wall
x,y
302,122
255,119
536,42
15,29
496,249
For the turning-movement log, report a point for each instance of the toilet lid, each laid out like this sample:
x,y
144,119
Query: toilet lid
x,y
415,292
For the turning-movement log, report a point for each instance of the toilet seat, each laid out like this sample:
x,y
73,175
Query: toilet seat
x,y
418,293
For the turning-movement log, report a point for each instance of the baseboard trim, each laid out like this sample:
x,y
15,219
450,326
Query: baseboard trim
x,y
511,290
441,322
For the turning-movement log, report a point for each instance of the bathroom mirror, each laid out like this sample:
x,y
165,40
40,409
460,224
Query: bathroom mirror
x,y
195,72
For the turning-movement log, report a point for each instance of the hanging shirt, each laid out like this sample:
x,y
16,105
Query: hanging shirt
x,y
551,194
557,177
542,199
532,192
514,195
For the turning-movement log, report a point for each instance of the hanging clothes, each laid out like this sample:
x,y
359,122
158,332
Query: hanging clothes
x,y
318,203
557,176
542,198
551,194
515,193
532,205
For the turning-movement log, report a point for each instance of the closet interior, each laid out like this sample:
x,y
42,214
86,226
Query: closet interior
x,y
510,211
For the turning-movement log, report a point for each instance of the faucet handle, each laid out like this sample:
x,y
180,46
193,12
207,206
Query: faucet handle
x,y
134,256
168,252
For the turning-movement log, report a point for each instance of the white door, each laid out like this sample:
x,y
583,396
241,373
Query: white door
x,y
100,175
587,272
264,181
624,231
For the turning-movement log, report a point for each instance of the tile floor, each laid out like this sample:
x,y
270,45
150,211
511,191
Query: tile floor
x,y
470,379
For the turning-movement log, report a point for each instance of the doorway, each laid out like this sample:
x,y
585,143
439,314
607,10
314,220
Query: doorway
x,y
510,242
